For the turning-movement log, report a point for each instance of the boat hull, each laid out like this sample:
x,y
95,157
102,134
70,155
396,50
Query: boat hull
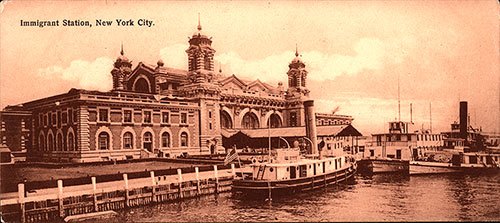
x,y
264,189
421,167
418,167
375,166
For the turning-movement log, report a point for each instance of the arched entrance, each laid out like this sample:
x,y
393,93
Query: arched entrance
x,y
275,121
225,120
250,121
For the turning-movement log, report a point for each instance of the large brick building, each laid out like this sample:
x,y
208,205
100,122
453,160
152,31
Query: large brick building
x,y
154,110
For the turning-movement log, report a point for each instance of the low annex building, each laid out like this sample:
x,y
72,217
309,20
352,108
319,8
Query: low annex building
x,y
155,110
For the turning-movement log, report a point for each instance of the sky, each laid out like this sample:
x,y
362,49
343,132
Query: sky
x,y
442,52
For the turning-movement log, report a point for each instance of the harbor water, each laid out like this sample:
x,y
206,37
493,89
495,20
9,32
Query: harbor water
x,y
368,198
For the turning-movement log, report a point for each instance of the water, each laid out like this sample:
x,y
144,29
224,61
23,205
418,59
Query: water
x,y
377,198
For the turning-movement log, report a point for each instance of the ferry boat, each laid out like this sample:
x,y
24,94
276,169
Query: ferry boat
x,y
389,152
288,172
464,150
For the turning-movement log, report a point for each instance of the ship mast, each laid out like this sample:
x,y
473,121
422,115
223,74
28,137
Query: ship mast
x,y
399,101
430,116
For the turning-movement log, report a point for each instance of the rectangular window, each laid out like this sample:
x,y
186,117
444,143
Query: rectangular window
x,y
64,118
59,119
103,115
40,119
210,126
183,118
70,115
127,116
147,117
209,114
75,116
45,122
165,117
54,119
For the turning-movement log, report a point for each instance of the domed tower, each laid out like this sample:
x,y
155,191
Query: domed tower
x,y
122,68
200,51
202,86
297,75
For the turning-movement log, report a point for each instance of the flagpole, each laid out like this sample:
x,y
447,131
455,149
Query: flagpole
x,y
239,162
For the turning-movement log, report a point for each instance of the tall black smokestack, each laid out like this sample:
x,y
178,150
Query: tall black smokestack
x,y
463,120
311,125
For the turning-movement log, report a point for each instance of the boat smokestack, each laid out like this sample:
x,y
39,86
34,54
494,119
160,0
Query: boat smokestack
x,y
310,120
411,113
463,119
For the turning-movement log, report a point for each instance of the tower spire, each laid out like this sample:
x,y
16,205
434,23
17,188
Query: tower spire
x,y
220,67
199,23
121,49
296,50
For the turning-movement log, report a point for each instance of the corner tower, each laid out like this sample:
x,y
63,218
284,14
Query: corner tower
x,y
122,68
202,86
297,75
200,52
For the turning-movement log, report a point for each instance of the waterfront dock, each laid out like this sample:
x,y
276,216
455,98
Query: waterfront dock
x,y
57,203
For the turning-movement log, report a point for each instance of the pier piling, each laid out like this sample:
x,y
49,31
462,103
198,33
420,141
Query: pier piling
x,y
198,189
94,194
179,173
20,193
153,187
60,197
216,175
127,198
233,170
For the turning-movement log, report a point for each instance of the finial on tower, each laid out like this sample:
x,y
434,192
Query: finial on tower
x,y
199,24
220,67
121,49
296,50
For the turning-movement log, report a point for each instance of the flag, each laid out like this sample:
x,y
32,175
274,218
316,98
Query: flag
x,y
231,156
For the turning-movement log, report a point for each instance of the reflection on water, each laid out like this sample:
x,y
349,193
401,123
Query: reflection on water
x,y
376,198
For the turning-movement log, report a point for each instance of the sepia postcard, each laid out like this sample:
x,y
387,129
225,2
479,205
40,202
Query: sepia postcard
x,y
249,111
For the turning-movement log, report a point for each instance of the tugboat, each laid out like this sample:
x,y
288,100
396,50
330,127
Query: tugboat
x,y
288,172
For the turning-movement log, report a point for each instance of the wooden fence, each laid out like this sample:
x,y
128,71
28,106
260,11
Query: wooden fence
x,y
157,190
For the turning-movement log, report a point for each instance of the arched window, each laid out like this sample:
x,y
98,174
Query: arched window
x,y
128,140
59,144
250,121
41,142
184,139
147,142
142,86
51,142
103,141
225,120
276,121
165,139
71,142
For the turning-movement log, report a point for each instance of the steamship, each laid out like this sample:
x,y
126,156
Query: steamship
x,y
287,171
464,150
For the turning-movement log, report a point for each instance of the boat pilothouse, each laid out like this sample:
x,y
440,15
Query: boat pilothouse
x,y
287,172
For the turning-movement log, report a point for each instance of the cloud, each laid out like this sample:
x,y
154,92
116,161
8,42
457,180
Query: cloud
x,y
368,54
93,75
175,56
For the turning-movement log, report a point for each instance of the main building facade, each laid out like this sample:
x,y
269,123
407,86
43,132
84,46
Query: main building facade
x,y
154,110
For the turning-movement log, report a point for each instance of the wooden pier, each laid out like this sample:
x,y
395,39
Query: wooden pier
x,y
53,204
